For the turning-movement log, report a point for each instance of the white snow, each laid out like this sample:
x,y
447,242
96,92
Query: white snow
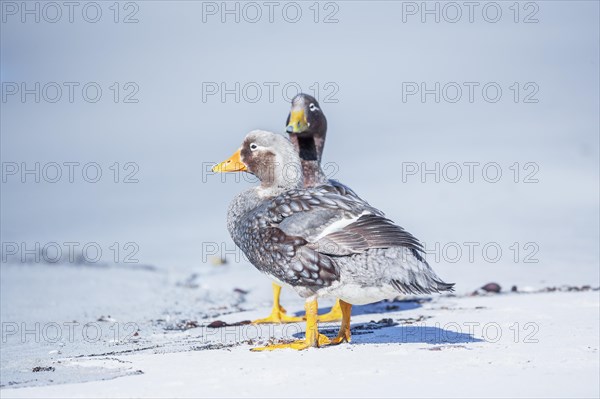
x,y
508,344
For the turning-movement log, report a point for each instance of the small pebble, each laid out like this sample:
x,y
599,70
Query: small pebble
x,y
217,261
491,287
220,324
39,369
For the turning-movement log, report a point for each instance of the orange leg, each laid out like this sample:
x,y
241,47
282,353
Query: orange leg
x,y
344,334
278,313
312,339
335,314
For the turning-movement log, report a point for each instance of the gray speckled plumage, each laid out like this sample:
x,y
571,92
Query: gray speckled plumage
x,y
324,240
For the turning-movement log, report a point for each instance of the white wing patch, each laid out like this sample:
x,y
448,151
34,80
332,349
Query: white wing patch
x,y
339,225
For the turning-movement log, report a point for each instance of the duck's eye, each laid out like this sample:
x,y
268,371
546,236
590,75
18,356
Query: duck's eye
x,y
253,147
312,107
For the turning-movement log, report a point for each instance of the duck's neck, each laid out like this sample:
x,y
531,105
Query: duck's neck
x,y
310,150
241,204
280,177
266,191
313,174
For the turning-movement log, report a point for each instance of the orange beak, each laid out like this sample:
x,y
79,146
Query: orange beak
x,y
233,164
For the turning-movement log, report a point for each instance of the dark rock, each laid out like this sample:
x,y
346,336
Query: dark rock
x,y
217,324
492,287
220,324
40,369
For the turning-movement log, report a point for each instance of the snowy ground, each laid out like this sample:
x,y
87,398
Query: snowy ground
x,y
156,339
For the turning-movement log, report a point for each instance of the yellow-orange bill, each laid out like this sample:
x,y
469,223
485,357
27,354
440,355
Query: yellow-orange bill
x,y
233,164
298,122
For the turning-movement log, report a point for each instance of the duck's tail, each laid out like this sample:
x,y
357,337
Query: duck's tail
x,y
415,288
419,278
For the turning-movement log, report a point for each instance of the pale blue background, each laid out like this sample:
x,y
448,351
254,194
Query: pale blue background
x,y
171,132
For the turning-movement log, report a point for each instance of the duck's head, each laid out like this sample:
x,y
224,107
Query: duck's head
x,y
268,156
307,126
305,117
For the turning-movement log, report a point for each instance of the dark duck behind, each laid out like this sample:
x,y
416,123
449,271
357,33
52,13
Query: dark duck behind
x,y
306,126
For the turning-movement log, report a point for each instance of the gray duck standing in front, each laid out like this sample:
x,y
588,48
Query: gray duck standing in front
x,y
317,241
306,126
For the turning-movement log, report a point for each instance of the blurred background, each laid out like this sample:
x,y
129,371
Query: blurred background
x,y
474,127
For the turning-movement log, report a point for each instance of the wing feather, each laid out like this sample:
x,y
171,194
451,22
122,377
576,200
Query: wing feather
x,y
369,231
